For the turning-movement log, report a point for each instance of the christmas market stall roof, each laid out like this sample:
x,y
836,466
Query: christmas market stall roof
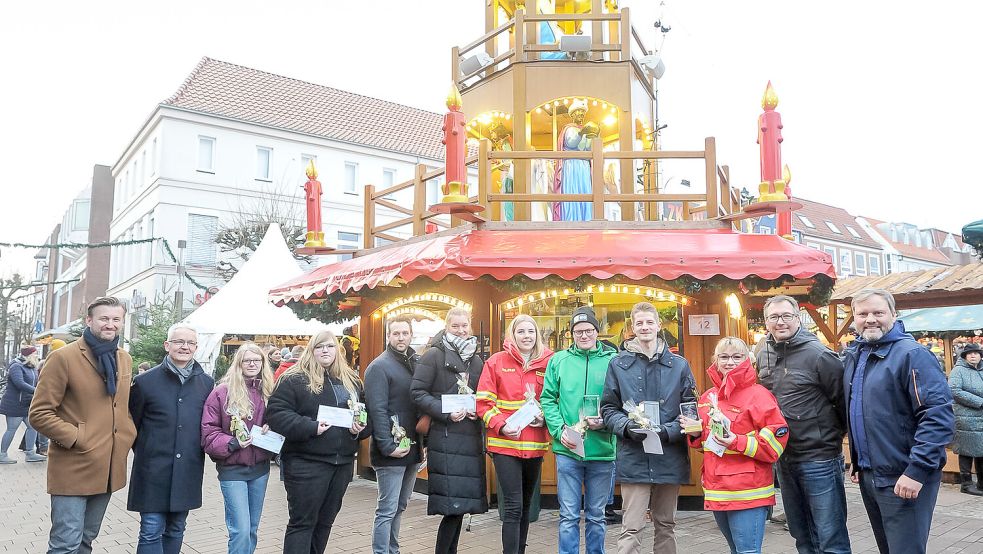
x,y
947,318
940,286
568,253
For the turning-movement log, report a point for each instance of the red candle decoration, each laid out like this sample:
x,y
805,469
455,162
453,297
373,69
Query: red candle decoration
x,y
772,187
312,196
455,187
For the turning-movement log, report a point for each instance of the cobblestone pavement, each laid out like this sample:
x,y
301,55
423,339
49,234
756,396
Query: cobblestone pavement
x,y
958,524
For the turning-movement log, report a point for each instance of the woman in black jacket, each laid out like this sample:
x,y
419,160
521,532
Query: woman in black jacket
x,y
455,448
317,459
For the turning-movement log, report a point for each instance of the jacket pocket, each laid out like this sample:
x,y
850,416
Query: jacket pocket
x,y
734,464
80,438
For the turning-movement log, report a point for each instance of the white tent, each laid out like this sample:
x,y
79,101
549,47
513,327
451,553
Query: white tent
x,y
242,306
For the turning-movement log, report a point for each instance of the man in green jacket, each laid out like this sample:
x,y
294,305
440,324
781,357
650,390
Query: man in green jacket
x,y
585,451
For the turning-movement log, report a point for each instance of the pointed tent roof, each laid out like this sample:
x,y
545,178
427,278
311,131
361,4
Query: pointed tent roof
x,y
241,306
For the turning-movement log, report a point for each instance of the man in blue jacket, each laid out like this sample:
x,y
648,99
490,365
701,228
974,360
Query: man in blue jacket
x,y
899,421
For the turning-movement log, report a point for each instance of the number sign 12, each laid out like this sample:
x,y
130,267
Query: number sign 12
x,y
704,324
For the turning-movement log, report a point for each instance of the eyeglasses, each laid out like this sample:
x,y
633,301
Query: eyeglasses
x,y
181,342
786,318
584,332
253,361
324,346
736,358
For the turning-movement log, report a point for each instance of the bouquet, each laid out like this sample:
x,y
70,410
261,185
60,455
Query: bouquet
x,y
238,429
358,411
399,434
530,396
462,384
636,413
719,423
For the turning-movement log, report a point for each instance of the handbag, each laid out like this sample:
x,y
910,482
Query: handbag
x,y
423,425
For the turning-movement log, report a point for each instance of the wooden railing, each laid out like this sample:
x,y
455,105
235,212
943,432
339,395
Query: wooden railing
x,y
719,200
524,45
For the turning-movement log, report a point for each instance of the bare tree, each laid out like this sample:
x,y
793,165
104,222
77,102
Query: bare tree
x,y
243,233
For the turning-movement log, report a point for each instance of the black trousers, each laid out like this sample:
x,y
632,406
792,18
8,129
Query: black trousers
x,y
448,534
314,494
517,477
966,469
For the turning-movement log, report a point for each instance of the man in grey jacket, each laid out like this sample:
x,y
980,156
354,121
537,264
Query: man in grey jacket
x,y
647,372
807,380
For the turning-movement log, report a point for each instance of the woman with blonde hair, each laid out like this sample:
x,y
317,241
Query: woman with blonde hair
x,y
509,379
742,433
455,452
232,410
317,459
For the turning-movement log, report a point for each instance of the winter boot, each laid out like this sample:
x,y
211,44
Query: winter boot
x,y
5,459
967,486
32,456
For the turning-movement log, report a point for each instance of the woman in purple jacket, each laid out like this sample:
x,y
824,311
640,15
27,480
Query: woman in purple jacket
x,y
239,403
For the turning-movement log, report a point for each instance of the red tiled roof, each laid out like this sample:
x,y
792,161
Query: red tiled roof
x,y
819,214
909,250
228,90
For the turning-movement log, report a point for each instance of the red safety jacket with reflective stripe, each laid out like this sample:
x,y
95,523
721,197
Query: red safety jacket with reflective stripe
x,y
742,478
501,391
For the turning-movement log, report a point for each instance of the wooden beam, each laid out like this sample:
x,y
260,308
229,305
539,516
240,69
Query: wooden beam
x,y
597,177
419,200
625,35
392,225
484,172
368,218
713,198
823,327
395,207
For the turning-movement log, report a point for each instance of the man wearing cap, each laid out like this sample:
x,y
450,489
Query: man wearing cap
x,y
570,400
81,404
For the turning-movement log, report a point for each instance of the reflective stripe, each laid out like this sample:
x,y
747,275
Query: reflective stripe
x,y
485,395
771,440
739,496
510,404
517,445
752,447
490,414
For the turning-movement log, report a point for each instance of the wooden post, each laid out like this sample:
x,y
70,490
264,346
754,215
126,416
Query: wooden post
x,y
626,128
484,172
369,217
520,135
625,35
455,65
519,35
710,158
731,206
419,200
597,29
597,177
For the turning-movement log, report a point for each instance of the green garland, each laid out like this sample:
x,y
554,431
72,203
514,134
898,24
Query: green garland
x,y
29,285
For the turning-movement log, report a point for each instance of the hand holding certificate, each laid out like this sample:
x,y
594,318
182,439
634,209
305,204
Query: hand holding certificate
x,y
267,441
450,403
525,415
335,417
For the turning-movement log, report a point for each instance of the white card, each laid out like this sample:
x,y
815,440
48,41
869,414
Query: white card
x,y
576,439
522,417
335,417
652,443
714,446
450,403
270,441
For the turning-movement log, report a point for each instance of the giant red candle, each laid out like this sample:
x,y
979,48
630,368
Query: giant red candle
x,y
770,137
455,148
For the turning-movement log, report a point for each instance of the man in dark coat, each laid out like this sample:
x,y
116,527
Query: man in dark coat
x,y
387,393
807,380
166,403
645,371
900,420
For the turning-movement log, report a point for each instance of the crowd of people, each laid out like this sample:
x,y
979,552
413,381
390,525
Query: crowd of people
x,y
626,415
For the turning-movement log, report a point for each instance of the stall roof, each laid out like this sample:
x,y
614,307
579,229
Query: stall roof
x,y
947,318
567,253
941,286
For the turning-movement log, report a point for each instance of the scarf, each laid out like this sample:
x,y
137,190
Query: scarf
x,y
183,373
465,348
105,354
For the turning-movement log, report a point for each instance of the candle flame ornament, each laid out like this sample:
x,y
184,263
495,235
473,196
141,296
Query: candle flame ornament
x,y
312,196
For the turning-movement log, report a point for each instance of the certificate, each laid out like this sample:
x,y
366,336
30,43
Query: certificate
x,y
270,441
524,415
450,403
335,417
577,439
652,443
712,445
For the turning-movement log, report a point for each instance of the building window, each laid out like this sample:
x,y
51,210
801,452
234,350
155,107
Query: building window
x,y
348,241
853,232
153,157
846,261
388,180
833,228
206,154
805,221
861,263
202,231
80,219
306,159
433,190
813,245
264,163
832,254
875,265
351,177
797,236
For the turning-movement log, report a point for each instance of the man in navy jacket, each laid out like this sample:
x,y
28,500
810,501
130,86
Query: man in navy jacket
x,y
900,420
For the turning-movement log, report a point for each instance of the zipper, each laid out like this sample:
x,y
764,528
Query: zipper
x,y
914,382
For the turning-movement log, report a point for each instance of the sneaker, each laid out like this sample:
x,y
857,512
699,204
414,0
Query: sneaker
x,y
5,459
34,457
969,489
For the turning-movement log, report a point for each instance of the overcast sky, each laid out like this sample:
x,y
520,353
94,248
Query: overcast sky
x,y
879,99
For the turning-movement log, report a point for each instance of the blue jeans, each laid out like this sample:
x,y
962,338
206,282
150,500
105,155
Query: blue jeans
x,y
161,532
899,525
30,436
243,508
595,479
75,522
815,505
743,529
395,487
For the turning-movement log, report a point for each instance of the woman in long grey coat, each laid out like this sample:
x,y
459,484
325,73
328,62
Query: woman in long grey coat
x,y
966,382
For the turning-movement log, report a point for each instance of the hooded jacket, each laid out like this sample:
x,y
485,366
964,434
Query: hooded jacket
x,y
905,408
742,478
502,391
570,375
665,378
807,380
966,384
21,381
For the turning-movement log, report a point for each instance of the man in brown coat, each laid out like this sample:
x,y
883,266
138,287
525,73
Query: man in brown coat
x,y
81,404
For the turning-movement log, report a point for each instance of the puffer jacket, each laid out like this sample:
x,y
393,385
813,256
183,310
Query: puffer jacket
x,y
966,383
742,478
21,381
216,428
807,380
502,390
665,378
455,450
906,408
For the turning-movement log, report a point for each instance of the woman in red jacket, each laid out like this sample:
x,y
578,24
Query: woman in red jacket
x,y
509,379
742,434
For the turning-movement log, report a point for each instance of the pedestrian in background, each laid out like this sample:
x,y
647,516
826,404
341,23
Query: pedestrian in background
x,y
22,378
966,383
166,404
234,407
318,459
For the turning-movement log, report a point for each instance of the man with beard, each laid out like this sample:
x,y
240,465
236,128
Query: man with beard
x,y
899,421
